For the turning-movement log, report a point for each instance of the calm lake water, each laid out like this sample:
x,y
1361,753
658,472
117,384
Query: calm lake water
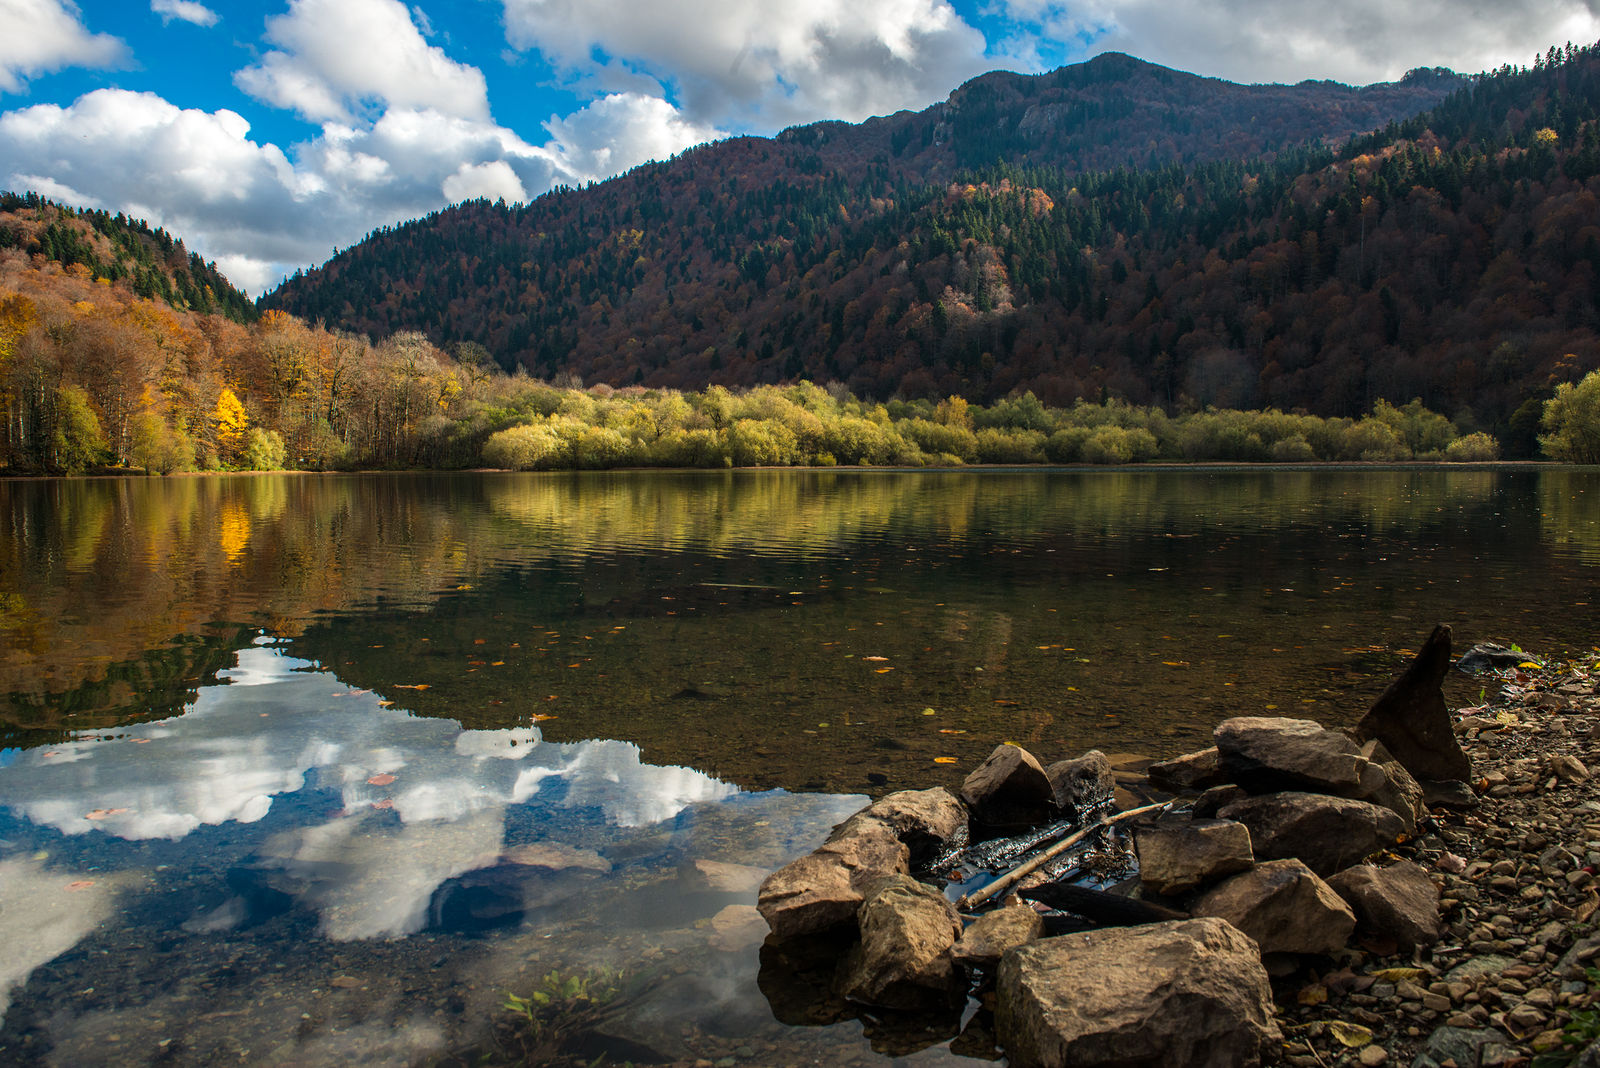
x,y
315,769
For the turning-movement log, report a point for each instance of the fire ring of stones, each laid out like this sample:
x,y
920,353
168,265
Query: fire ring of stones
x,y
1158,935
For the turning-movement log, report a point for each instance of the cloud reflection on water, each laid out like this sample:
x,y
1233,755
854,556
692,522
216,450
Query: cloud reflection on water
x,y
422,801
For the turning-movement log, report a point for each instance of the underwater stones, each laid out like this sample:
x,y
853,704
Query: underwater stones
x,y
1263,753
1009,789
1399,901
1283,906
1327,833
1411,720
1186,992
1175,856
903,960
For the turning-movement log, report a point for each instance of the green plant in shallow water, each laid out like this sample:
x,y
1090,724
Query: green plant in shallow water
x,y
557,1014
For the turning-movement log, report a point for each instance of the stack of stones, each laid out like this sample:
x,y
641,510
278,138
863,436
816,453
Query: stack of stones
x,y
1274,856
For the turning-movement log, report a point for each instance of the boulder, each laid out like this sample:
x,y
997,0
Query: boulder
x,y
1081,784
823,889
1400,902
1009,789
808,895
1283,906
1389,785
925,820
1189,773
1263,753
903,959
1447,793
989,937
1187,992
1411,720
1215,799
1328,833
1175,856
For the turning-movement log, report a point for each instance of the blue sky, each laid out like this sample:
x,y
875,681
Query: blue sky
x,y
266,135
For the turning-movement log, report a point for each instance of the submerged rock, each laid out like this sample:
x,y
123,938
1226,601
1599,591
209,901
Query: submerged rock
x,y
1175,856
1327,833
1009,789
1411,720
1400,901
1284,907
903,960
1189,992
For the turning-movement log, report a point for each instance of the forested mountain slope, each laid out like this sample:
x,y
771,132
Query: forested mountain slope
x,y
1452,257
153,263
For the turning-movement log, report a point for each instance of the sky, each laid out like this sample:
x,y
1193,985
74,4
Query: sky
x,y
268,135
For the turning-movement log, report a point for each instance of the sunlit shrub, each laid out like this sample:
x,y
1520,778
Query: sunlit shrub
x,y
1474,448
523,448
1293,449
1572,422
1012,446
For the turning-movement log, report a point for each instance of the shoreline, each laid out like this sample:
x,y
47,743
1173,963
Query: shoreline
x,y
1165,465
1518,902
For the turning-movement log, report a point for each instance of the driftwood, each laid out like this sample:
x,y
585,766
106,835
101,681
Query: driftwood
x,y
1010,878
1098,906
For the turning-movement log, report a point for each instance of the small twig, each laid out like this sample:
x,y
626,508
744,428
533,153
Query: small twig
x,y
1015,875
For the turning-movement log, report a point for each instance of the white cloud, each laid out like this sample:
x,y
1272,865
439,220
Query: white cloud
x,y
184,11
1357,41
337,59
261,215
762,64
46,35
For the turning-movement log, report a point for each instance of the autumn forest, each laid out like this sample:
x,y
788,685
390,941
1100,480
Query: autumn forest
x,y
872,295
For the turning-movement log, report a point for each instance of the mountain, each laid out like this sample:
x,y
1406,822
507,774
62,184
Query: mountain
x,y
1450,255
153,263
1113,111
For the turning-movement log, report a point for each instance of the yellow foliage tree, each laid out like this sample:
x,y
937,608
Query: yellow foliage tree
x,y
231,421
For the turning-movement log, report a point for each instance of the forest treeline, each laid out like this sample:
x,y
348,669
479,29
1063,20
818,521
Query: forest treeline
x,y
1454,257
95,377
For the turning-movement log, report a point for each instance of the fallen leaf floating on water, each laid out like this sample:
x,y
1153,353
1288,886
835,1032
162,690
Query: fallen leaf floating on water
x,y
381,779
1348,1034
875,659
80,884
944,760
883,671
414,686
950,730
103,813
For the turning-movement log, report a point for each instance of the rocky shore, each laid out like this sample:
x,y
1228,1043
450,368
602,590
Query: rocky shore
x,y
1418,890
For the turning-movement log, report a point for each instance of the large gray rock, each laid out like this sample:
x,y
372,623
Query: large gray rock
x,y
1189,773
1283,906
988,938
1399,901
1081,784
1187,992
1492,656
1389,785
824,888
1411,720
1263,753
925,820
1328,833
903,959
1009,789
1177,855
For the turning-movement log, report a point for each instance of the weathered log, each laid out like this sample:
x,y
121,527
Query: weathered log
x,y
971,901
1101,907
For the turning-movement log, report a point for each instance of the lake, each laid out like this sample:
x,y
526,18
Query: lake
x,y
315,769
